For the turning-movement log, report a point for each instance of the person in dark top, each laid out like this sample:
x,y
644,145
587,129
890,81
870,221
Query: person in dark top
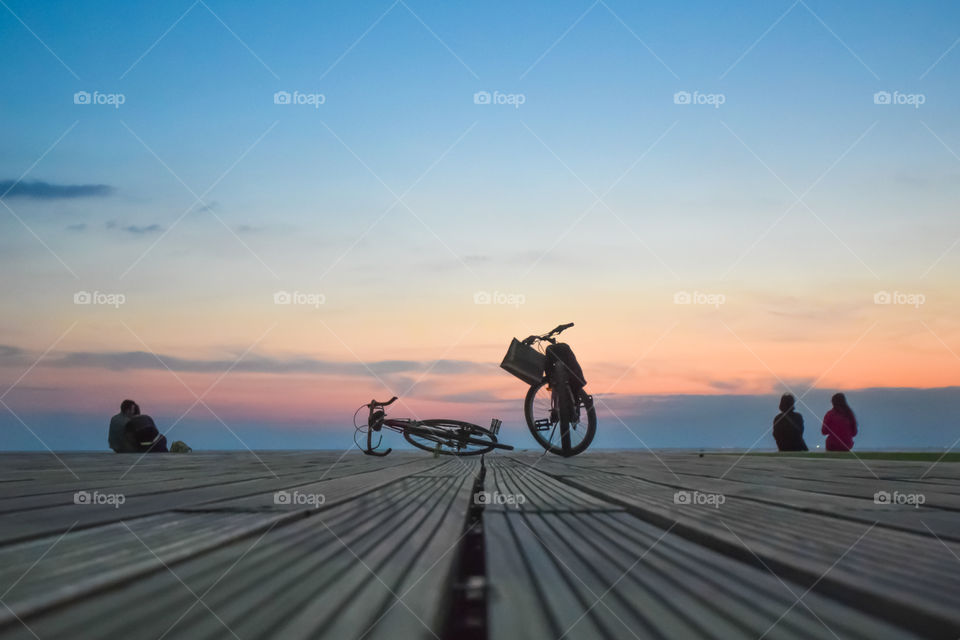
x,y
788,426
118,423
143,436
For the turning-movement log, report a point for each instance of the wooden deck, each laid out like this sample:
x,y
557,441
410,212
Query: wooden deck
x,y
605,545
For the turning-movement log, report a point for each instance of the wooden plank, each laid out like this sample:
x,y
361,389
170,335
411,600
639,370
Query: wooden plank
x,y
593,546
608,575
57,519
336,569
911,575
940,518
54,569
560,565
202,472
523,487
50,572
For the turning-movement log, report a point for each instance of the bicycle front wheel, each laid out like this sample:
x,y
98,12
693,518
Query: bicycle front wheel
x,y
451,437
554,425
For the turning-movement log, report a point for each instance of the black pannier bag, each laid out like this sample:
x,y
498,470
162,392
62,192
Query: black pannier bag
x,y
561,355
524,362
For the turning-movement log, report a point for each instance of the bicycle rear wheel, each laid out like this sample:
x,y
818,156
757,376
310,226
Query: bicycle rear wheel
x,y
544,415
451,437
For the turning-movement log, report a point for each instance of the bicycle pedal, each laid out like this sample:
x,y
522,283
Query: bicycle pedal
x,y
543,424
495,426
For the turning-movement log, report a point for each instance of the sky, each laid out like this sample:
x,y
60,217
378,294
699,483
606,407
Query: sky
x,y
252,218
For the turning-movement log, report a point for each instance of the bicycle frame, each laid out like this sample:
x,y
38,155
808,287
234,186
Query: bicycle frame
x,y
453,434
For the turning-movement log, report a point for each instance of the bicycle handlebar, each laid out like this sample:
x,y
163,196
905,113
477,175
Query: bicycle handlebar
x,y
376,416
374,403
560,328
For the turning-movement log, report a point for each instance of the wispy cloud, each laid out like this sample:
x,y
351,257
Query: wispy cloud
x,y
142,360
206,206
141,229
9,351
475,396
135,228
40,190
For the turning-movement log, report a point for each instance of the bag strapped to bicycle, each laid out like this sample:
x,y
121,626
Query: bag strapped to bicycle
x,y
524,362
560,355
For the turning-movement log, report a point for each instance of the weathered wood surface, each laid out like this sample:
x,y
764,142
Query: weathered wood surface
x,y
338,545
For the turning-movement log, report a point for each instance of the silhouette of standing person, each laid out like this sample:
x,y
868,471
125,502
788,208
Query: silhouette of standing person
x,y
788,426
839,425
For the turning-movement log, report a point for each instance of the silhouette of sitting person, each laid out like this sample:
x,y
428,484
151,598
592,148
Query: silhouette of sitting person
x,y
118,423
142,436
788,426
839,424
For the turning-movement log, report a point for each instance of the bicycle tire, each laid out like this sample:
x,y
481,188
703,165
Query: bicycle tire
x,y
478,437
586,405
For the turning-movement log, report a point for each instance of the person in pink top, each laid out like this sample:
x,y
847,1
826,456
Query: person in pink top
x,y
839,425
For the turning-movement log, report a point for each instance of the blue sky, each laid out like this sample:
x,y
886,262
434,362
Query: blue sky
x,y
597,198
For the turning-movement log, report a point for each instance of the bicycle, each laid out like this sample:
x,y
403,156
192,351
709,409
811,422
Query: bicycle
x,y
441,436
556,399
